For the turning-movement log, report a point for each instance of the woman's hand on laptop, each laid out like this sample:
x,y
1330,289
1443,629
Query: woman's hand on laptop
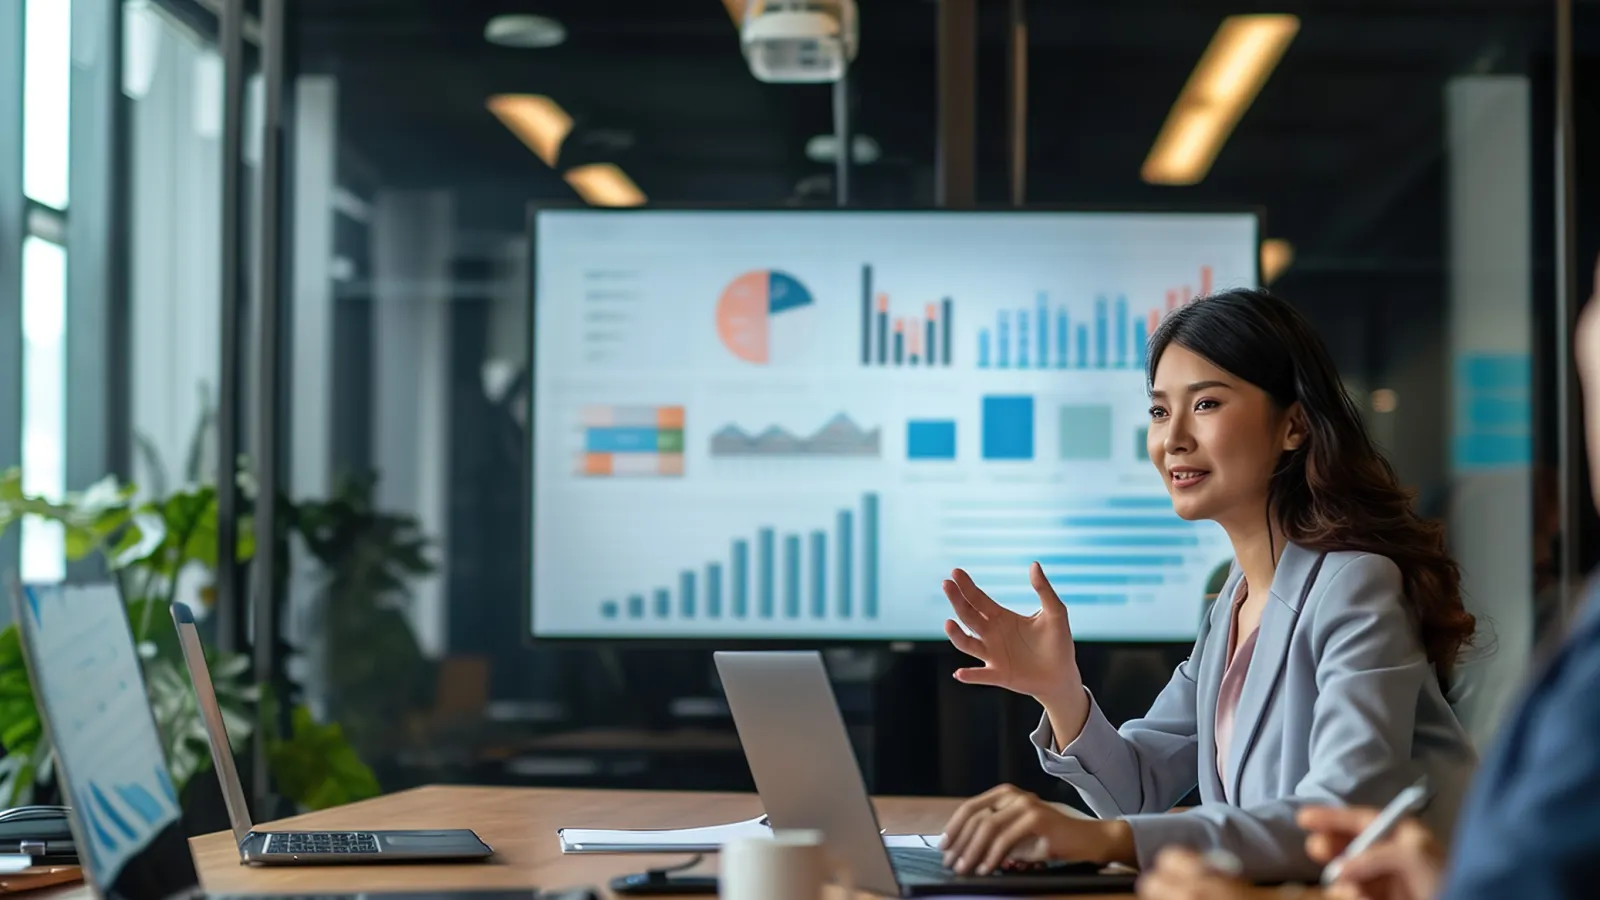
x,y
1007,822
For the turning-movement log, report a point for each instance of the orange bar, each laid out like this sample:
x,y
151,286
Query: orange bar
x,y
899,325
913,342
1172,300
933,312
883,303
1186,296
1205,281
1155,320
597,464
669,464
669,417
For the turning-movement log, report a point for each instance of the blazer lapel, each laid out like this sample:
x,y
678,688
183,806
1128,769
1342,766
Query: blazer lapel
x,y
1291,582
1213,655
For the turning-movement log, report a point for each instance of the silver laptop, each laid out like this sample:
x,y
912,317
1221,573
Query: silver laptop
x,y
806,772
304,847
126,818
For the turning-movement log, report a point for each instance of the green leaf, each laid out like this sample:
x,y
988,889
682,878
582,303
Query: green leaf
x,y
316,767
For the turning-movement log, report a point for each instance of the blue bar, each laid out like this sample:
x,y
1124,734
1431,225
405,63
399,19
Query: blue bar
x,y
741,578
1139,503
846,546
1100,332
636,606
686,594
931,439
883,338
1030,543
1122,332
819,574
1008,427
899,348
1044,332
1061,338
1029,598
1118,579
622,439
1083,346
791,575
1128,522
1141,342
1079,559
608,609
948,327
714,590
1022,338
1003,338
983,348
663,603
869,556
764,573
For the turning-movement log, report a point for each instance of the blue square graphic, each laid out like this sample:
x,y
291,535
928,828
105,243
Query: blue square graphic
x,y
1008,427
931,439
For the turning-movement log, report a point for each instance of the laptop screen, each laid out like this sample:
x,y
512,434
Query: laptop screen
x,y
126,817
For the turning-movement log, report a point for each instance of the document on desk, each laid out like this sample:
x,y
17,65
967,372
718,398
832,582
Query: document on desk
x,y
704,839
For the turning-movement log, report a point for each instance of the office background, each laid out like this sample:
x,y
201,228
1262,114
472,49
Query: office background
x,y
294,234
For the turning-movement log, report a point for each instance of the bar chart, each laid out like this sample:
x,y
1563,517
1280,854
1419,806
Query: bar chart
x,y
1108,334
1100,551
817,573
895,340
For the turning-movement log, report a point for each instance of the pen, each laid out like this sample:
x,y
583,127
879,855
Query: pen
x,y
1404,803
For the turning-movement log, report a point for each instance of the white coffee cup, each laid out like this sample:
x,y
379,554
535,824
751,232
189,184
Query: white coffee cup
x,y
790,865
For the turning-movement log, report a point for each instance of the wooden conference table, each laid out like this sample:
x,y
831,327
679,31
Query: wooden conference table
x,y
520,823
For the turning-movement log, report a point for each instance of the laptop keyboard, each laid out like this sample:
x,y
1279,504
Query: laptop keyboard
x,y
318,842
914,862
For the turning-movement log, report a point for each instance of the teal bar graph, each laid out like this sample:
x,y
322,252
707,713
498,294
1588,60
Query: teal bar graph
x,y
791,576
686,594
819,574
846,545
869,556
714,590
764,571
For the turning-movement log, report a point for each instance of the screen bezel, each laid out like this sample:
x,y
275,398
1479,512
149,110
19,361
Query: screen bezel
x,y
742,642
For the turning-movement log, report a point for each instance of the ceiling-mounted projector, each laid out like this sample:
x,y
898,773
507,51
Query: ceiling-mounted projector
x,y
799,41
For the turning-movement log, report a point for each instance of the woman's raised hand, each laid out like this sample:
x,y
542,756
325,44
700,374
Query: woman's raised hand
x,y
1031,655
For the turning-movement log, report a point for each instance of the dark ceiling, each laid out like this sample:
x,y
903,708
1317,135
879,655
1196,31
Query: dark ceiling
x,y
1341,145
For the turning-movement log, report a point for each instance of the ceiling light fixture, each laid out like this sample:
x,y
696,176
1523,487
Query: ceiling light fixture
x,y
536,120
603,184
525,32
1276,255
1239,60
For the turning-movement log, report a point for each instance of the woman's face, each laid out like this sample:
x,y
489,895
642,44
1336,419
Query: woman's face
x,y
1215,438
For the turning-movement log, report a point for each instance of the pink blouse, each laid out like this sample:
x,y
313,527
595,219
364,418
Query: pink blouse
x,y
1232,682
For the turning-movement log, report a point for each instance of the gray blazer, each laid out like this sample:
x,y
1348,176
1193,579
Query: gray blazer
x,y
1339,706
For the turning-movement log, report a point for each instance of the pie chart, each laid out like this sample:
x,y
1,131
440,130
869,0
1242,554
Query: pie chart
x,y
765,316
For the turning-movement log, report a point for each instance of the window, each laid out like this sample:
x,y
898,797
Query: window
x,y
46,79
44,313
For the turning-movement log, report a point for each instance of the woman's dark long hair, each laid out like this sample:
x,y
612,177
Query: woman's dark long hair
x,y
1335,491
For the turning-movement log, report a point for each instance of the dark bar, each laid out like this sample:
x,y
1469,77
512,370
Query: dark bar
x,y
1022,338
1100,331
883,337
764,552
686,594
869,556
899,347
927,350
269,433
1083,346
636,606
231,587
713,591
791,575
741,579
663,603
846,545
1061,338
948,324
866,315
819,574
13,213
608,609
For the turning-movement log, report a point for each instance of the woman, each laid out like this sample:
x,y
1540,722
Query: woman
x,y
1318,673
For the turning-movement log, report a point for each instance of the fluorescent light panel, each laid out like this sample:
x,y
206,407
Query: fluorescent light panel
x,y
1236,64
536,120
603,184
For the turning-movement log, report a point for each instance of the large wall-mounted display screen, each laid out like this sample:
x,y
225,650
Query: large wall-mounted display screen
x,y
794,424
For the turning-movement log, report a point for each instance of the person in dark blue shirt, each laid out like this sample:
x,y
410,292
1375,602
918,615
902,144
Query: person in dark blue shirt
x,y
1530,826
